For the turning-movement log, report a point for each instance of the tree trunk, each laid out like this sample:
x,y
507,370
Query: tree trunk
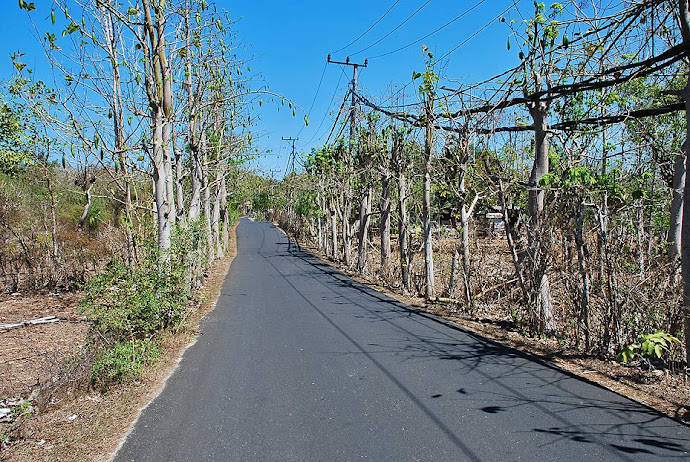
x,y
403,216
428,233
385,225
225,216
538,111
206,206
159,171
159,93
334,237
465,214
88,186
347,233
685,232
547,323
322,213
539,279
179,187
582,262
676,220
215,225
363,234
454,271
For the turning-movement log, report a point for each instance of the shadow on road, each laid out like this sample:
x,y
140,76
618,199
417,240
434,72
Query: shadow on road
x,y
522,377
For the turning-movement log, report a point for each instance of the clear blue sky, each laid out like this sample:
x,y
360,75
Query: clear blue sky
x,y
289,42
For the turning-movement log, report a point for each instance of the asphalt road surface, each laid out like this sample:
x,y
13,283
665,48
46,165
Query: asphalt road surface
x,y
300,363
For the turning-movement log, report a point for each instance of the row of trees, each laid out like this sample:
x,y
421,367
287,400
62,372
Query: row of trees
x,y
122,168
581,150
148,89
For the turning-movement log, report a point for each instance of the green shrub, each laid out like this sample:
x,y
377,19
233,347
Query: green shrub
x,y
129,309
122,361
125,303
653,345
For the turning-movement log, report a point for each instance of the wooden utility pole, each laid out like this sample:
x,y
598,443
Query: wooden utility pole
x,y
353,91
347,234
291,161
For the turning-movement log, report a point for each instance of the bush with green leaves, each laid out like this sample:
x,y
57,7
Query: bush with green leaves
x,y
652,346
130,308
136,303
123,360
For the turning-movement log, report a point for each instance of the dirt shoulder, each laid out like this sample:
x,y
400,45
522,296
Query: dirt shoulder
x,y
80,426
664,390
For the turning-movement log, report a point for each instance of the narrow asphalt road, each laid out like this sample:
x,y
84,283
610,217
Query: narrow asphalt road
x,y
300,363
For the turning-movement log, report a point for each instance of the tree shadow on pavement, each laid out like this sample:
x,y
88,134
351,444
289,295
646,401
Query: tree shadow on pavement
x,y
512,380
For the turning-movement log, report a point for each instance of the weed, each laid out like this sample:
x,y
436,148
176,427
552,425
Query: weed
x,y
123,361
131,307
653,345
25,409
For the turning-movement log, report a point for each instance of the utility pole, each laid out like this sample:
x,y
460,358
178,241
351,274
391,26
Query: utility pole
x,y
291,162
347,237
353,90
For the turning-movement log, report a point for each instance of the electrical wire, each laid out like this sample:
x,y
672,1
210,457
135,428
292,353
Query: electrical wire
x,y
461,15
337,87
479,31
370,28
318,87
396,28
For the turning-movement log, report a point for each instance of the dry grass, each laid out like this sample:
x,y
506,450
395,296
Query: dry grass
x,y
79,426
30,355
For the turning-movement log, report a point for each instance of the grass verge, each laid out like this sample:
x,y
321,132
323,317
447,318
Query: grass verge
x,y
79,426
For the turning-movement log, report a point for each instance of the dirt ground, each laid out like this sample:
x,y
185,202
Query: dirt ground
x,y
31,354
77,424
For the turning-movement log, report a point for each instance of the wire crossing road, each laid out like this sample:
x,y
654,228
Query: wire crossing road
x,y
299,363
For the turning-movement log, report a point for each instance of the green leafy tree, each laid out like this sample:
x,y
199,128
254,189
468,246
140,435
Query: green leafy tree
x,y
13,151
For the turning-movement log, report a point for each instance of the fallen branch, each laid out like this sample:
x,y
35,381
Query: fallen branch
x,y
444,300
24,358
491,289
45,320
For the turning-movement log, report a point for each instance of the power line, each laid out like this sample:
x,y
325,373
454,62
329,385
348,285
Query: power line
x,y
370,28
335,122
396,28
479,31
318,87
431,33
323,119
290,167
